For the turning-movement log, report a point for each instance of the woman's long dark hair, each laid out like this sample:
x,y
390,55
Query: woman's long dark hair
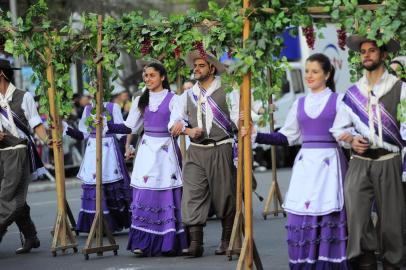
x,y
144,99
327,67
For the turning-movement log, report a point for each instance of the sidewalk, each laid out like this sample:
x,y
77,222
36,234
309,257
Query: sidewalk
x,y
46,185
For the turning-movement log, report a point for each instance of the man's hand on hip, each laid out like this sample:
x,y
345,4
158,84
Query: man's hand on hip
x,y
359,144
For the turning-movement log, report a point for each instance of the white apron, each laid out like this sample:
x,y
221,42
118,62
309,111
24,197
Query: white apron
x,y
110,167
316,184
156,165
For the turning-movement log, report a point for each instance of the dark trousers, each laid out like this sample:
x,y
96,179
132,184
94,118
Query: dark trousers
x,y
14,180
367,180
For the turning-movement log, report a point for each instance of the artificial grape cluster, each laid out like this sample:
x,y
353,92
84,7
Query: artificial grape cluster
x,y
146,46
230,53
199,46
177,50
342,36
310,36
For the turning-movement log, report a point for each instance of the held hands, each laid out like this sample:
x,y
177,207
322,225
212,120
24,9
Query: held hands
x,y
176,129
243,130
359,144
129,152
52,142
98,121
346,137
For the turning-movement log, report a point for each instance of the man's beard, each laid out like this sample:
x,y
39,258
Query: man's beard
x,y
373,67
203,77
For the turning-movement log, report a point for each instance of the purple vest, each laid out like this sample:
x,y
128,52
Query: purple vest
x,y
156,123
315,132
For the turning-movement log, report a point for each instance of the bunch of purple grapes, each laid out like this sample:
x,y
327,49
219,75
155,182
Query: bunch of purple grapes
x,y
199,46
177,50
230,53
342,36
146,46
310,36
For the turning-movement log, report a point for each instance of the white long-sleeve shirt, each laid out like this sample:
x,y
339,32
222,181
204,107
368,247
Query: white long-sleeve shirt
x,y
30,112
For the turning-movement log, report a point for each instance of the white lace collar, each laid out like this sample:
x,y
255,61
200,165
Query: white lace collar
x,y
156,98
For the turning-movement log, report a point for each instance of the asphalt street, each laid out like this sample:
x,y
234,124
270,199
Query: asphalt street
x,y
269,236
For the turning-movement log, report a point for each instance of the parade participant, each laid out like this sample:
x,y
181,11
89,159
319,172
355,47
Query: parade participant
x,y
375,168
209,173
156,179
316,224
116,197
18,156
188,84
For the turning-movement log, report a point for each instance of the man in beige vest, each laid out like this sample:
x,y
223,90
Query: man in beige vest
x,y
208,172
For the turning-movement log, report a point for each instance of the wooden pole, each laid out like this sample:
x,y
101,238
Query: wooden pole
x,y
246,256
181,137
274,192
63,238
99,226
236,234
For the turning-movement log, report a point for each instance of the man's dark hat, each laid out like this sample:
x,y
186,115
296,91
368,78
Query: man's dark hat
x,y
354,42
5,64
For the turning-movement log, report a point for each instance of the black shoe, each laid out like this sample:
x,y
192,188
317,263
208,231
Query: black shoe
x,y
29,244
367,261
389,266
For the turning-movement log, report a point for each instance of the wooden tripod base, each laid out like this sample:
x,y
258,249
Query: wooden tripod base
x,y
63,238
99,228
275,196
71,220
244,250
234,248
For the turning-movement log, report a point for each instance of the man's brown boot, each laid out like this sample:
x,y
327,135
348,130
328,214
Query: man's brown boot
x,y
196,241
367,261
27,228
227,225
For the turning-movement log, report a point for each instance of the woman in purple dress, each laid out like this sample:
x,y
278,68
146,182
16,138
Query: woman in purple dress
x,y
156,179
316,222
116,197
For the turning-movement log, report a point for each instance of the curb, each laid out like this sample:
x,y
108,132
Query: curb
x,y
70,183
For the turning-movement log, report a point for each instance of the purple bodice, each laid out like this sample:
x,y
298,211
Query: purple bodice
x,y
156,123
315,131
